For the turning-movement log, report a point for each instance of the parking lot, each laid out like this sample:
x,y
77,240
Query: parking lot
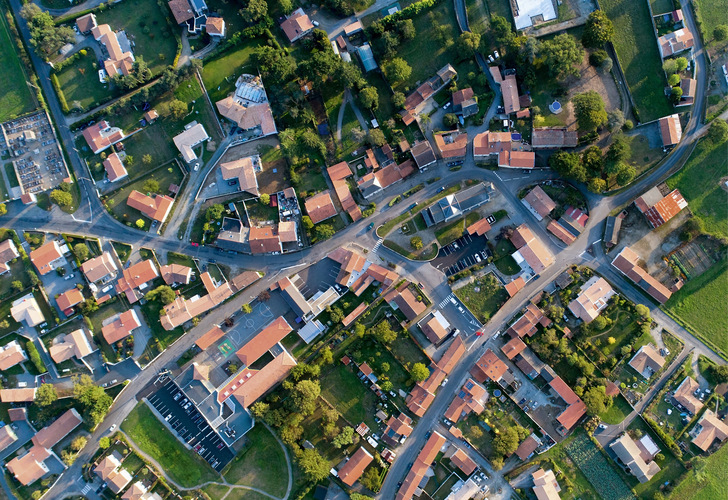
x,y
182,416
318,277
462,253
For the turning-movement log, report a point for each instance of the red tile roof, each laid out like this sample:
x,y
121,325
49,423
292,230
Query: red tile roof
x,y
339,171
540,201
264,341
43,256
489,366
626,262
210,337
320,207
156,207
513,347
121,327
354,467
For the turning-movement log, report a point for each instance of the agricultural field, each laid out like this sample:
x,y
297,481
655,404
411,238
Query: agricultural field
x,y
15,96
636,48
483,297
709,487
699,182
600,473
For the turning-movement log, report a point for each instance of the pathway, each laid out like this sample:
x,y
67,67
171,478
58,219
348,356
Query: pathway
x,y
218,483
186,51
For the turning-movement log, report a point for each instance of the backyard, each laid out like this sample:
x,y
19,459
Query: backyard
x,y
182,465
483,297
80,83
15,96
341,387
636,48
219,74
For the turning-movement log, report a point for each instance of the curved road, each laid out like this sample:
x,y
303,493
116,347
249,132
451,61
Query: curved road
x,y
93,220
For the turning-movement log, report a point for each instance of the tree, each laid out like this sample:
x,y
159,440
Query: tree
x,y
719,373
593,161
450,120
596,185
303,396
147,159
596,400
307,222
140,223
163,294
327,356
398,99
618,151
177,109
669,66
376,137
369,97
615,119
265,199
416,242
324,231
675,95
397,70
93,398
673,80
371,479
345,437
568,165
82,252
61,198
682,63
468,42
3,209
383,332
104,442
506,442
246,309
273,62
214,212
45,36
349,76
475,432
286,6
45,395
151,186
598,57
359,496
625,174
598,30
599,323
720,32
78,443
32,277
314,466
260,409
129,160
562,55
589,110
17,286
256,9
611,340
419,372
718,131
407,30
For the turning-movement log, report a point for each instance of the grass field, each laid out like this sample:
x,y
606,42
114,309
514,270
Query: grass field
x,y
261,464
488,298
662,6
219,74
707,292
148,28
636,48
425,54
712,486
342,388
182,465
477,16
80,83
710,13
15,96
617,412
699,182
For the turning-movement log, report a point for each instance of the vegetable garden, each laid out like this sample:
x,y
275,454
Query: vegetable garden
x,y
597,470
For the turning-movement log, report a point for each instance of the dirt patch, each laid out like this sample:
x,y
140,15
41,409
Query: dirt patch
x,y
695,257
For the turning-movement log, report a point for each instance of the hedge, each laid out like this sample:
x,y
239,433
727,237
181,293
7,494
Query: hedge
x,y
35,357
410,12
666,438
59,92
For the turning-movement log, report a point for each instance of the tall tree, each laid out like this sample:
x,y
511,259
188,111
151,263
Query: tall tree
x,y
397,70
562,56
598,30
45,36
589,110
256,9
568,165
93,398
314,466
45,395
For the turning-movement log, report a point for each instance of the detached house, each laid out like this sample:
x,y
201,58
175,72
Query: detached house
x,y
297,25
48,257
647,361
464,102
8,252
593,298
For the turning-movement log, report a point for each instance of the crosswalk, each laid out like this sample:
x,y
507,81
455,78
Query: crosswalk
x,y
377,245
86,489
447,299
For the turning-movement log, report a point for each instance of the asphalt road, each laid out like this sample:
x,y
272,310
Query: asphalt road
x,y
93,220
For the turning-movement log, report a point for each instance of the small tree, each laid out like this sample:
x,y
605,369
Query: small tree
x,y
78,443
324,231
17,286
598,30
104,442
397,70
369,97
140,223
450,120
376,137
589,109
246,309
718,131
61,198
307,222
82,252
151,186
3,209
419,372
720,32
345,437
673,79
416,242
45,395
177,109
147,160
398,99
265,199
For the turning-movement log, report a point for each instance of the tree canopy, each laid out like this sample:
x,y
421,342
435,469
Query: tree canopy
x,y
562,56
419,372
397,70
93,398
598,30
589,110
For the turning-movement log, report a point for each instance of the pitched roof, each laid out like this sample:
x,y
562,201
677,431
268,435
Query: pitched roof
x,y
552,138
433,329
478,228
685,395
489,366
670,130
24,395
451,144
11,354
50,435
647,361
564,391
526,448
593,298
73,344
513,347
711,428
243,171
463,462
526,324
626,262
628,452
452,355
181,10
339,171
17,414
347,199
354,467
296,25
517,159
513,286
264,341
7,437
422,153
27,309
155,207
121,327
101,135
533,251
188,139
99,267
29,467
509,89
8,252
663,210
249,385
86,23
397,427
215,26
545,486
675,42
175,273
135,276
210,337
406,301
489,143
183,309
462,95
247,116
43,256
419,468
320,207
540,201
264,240
114,167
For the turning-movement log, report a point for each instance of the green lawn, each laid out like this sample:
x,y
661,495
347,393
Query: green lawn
x,y
671,468
190,92
150,28
178,258
261,464
503,260
219,74
488,298
636,48
709,14
216,490
617,412
342,388
499,8
712,486
707,292
454,230
182,465
477,16
424,53
80,83
662,6
699,182
15,96
122,250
